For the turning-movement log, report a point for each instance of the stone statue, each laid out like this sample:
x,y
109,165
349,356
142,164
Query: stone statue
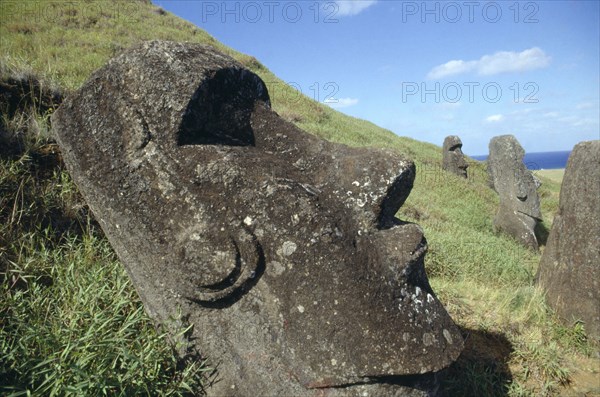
x,y
519,210
453,158
281,249
570,267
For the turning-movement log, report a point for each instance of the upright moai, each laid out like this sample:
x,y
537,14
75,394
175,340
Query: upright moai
x,y
569,270
453,157
519,209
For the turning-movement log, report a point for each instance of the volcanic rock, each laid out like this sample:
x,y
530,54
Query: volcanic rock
x,y
519,210
281,249
570,267
453,158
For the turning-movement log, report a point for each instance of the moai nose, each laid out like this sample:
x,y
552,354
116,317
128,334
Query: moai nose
x,y
377,185
396,248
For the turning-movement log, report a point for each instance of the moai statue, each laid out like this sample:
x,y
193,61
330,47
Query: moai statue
x,y
453,158
570,267
519,210
280,248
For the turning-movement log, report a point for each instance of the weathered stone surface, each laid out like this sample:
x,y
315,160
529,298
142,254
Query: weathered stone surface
x,y
453,158
570,267
280,248
519,209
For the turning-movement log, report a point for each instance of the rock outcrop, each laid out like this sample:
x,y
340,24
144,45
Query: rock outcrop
x,y
280,248
570,267
453,158
519,210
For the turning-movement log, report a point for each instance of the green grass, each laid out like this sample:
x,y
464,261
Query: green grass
x,y
73,325
554,175
71,322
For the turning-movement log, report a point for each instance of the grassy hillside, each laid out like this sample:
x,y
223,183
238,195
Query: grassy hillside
x,y
70,321
554,175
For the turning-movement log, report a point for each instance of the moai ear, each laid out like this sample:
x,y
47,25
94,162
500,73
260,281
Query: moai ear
x,y
224,264
220,109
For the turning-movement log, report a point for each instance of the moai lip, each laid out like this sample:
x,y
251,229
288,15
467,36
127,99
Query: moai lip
x,y
281,249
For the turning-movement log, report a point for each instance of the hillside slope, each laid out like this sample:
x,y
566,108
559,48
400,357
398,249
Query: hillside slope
x,y
49,244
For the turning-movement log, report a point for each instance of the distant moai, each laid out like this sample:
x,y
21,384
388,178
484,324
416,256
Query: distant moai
x,y
519,210
453,158
570,267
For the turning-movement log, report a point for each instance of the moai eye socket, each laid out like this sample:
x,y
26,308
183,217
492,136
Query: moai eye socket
x,y
220,109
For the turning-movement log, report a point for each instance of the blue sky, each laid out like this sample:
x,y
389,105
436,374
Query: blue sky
x,y
430,69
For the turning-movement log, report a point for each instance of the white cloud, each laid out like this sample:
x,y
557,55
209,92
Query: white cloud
x,y
450,105
521,112
494,118
353,7
586,105
509,61
568,119
578,121
500,62
450,68
341,102
585,123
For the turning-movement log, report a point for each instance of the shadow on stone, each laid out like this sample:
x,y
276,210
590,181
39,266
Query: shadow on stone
x,y
541,232
482,368
220,109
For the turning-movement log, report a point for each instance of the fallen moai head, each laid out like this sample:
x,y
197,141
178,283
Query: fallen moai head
x,y
453,158
280,248
519,210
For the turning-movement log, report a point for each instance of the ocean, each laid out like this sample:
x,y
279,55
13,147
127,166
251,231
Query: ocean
x,y
540,160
